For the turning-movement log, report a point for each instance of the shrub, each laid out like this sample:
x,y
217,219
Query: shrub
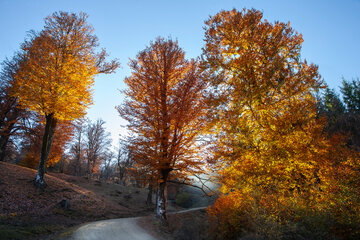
x,y
243,216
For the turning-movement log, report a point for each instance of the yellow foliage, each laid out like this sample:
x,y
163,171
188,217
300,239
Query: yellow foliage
x,y
270,145
60,63
54,82
57,73
268,134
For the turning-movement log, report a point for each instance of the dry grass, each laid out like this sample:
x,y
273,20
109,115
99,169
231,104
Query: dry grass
x,y
131,200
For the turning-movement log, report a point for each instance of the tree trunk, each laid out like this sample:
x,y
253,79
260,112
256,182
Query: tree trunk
x,y
149,196
77,165
45,149
4,139
78,160
88,169
156,196
121,175
78,150
61,168
3,143
161,202
162,198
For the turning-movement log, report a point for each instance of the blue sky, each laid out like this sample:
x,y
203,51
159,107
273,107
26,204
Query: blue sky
x,y
330,28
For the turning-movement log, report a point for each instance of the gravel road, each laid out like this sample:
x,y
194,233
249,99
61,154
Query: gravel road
x,y
119,229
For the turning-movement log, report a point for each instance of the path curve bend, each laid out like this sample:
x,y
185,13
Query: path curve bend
x,y
119,229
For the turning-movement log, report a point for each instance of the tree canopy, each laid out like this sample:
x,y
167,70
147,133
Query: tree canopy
x,y
164,106
58,74
61,63
267,131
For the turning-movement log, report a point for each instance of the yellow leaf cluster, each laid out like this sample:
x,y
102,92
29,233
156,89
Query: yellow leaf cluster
x,y
269,138
59,70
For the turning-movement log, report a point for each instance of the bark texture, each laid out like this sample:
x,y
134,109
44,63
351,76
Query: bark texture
x,y
162,197
161,203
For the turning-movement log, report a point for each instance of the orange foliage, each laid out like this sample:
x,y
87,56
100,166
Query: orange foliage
x,y
270,147
268,134
63,135
58,74
164,107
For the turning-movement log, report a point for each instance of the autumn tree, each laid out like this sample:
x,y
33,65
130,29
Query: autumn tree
x,y
107,168
77,149
57,77
97,143
164,108
124,162
10,112
268,142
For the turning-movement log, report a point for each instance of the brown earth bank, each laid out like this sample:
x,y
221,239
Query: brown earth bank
x,y
30,213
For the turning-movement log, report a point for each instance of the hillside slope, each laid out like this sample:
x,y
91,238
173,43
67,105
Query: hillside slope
x,y
27,212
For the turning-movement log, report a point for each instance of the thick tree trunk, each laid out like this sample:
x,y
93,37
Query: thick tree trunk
x,y
161,202
45,149
162,197
149,196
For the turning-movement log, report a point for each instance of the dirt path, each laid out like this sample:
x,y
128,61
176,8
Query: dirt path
x,y
121,228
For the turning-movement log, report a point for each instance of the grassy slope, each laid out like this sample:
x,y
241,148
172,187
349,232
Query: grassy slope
x,y
27,212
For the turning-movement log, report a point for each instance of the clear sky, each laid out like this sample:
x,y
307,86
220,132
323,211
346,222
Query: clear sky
x,y
330,28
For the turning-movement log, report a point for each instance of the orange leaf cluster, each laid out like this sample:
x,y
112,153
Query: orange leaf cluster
x,y
164,106
268,139
58,74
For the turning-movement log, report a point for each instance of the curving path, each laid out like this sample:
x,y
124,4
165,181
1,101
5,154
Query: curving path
x,y
120,228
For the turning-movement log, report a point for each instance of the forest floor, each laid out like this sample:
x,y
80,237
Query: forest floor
x,y
30,213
